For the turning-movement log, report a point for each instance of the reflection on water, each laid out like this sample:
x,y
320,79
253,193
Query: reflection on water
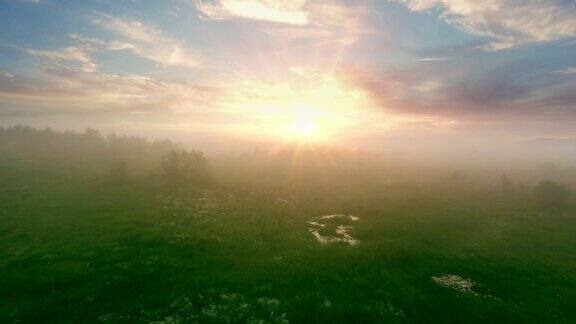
x,y
333,228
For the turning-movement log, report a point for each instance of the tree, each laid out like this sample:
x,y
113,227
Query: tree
x,y
184,168
551,194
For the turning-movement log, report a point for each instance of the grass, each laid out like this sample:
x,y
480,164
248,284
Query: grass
x,y
77,249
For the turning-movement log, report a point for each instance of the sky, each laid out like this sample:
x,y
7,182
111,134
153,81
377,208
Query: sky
x,y
360,73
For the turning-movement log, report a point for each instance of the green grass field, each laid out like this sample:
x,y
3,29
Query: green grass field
x,y
79,249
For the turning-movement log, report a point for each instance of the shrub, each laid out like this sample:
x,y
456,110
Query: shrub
x,y
184,168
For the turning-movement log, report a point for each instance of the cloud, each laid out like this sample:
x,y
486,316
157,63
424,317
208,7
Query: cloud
x,y
509,23
147,41
5,74
433,59
64,88
569,70
68,54
464,91
70,97
280,11
318,20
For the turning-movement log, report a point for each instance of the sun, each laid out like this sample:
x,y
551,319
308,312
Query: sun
x,y
303,124
303,128
317,110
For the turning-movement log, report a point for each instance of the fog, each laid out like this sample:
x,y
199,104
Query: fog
x,y
282,164
243,233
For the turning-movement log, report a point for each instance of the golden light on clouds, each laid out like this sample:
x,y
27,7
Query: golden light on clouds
x,y
317,109
279,11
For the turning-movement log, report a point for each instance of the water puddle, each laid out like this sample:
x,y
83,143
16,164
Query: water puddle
x,y
335,228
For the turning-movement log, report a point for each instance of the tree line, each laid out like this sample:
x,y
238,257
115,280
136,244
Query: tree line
x,y
90,152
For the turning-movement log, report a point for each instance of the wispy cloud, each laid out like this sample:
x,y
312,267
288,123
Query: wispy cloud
x,y
147,41
67,54
4,74
291,12
569,70
66,88
509,22
433,59
329,21
140,39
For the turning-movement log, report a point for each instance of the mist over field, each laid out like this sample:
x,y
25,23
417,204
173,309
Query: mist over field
x,y
127,229
272,161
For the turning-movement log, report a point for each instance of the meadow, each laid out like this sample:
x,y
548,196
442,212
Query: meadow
x,y
92,230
